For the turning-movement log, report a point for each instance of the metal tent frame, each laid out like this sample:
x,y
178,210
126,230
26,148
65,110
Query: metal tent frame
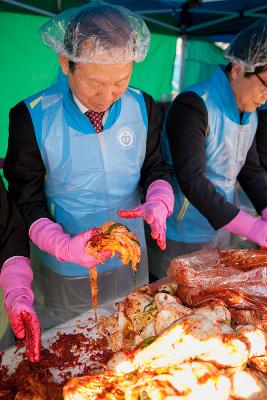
x,y
215,18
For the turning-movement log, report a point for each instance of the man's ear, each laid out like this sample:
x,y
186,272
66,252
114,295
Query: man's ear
x,y
236,71
64,62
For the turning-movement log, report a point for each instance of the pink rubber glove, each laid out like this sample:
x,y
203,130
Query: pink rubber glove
x,y
49,236
157,207
15,280
250,227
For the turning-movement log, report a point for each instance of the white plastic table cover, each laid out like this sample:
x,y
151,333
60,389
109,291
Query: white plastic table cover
x,y
80,324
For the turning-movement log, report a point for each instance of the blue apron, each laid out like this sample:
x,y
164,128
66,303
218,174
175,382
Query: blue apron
x,y
227,143
88,178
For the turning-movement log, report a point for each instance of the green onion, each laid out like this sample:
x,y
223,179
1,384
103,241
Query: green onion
x,y
143,395
147,342
111,227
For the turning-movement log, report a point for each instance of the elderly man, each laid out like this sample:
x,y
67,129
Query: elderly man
x,y
82,150
16,297
209,141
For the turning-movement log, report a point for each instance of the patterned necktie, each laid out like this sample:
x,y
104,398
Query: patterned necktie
x,y
96,119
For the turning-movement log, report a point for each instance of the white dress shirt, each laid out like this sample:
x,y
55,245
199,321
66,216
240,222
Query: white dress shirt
x,y
85,109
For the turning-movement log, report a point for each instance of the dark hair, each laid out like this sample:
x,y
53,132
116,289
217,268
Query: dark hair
x,y
228,67
72,65
258,70
105,22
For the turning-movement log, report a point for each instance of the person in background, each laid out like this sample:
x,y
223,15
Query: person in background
x,y
83,150
210,142
16,296
261,135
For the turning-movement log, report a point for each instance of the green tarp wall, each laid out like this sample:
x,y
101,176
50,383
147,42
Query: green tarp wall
x,y
200,59
28,66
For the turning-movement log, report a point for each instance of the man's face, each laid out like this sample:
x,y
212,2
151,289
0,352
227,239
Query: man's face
x,y
97,86
250,92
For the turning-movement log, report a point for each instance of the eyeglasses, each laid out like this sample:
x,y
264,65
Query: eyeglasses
x,y
262,81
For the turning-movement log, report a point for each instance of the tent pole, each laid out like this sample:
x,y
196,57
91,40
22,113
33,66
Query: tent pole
x,y
255,9
254,14
214,22
177,68
28,7
212,12
160,11
183,54
59,5
155,21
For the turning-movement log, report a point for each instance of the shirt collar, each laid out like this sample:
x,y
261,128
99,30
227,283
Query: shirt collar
x,y
84,109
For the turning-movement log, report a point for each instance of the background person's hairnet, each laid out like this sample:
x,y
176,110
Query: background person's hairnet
x,y
104,34
249,47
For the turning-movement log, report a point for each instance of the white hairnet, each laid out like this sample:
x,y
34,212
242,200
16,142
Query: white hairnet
x,y
249,47
98,33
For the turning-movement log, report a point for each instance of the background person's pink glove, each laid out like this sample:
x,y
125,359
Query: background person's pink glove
x,y
49,236
15,280
157,207
249,227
